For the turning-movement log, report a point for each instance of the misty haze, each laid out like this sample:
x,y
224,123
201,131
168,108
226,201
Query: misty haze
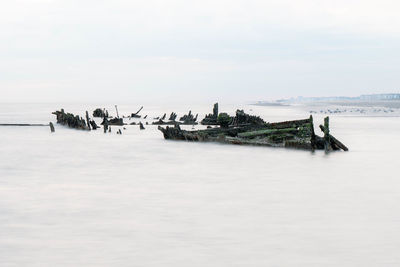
x,y
186,133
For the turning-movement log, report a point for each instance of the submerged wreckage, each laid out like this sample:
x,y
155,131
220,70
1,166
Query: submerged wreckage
x,y
245,129
241,129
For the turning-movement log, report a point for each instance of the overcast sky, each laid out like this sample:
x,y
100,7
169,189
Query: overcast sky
x,y
127,50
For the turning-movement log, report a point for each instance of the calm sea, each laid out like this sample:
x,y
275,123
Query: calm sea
x,y
76,198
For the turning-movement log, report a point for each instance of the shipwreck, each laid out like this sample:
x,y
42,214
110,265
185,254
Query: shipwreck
x,y
245,129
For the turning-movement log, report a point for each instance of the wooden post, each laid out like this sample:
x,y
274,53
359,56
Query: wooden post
x,y
334,142
327,139
52,127
215,110
105,125
312,133
87,119
116,108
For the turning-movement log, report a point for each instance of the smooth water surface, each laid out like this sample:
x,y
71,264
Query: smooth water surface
x,y
76,198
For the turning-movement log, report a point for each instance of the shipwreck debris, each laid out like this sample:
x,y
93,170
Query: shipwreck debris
x,y
244,118
116,109
224,120
189,119
173,116
100,113
335,144
245,129
114,121
161,122
242,129
211,119
327,139
136,114
71,120
105,125
93,124
52,127
88,120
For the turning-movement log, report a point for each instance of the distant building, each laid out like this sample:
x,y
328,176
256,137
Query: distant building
x,y
373,97
380,97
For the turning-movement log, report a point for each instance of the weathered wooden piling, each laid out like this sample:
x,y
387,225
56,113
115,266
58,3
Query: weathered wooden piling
x,y
335,144
105,125
327,140
87,119
116,108
52,127
313,145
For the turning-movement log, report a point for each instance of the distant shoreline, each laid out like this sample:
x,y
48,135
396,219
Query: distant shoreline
x,y
359,103
269,104
343,103
383,108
